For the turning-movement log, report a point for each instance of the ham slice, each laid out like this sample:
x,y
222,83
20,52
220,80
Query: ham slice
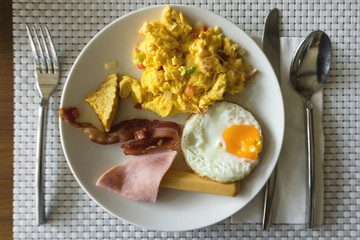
x,y
139,178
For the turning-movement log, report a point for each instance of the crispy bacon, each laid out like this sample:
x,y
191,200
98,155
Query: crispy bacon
x,y
140,66
167,133
138,106
206,64
195,33
140,134
223,56
252,74
189,91
161,138
201,110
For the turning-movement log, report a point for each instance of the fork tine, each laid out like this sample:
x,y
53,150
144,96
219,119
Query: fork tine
x,y
55,62
47,57
33,49
39,48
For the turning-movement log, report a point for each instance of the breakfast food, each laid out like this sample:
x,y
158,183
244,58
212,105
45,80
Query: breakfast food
x,y
105,100
224,144
139,136
146,136
130,86
185,69
191,182
139,178
110,65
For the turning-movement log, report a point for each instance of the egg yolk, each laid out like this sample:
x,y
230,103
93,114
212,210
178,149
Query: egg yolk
x,y
243,141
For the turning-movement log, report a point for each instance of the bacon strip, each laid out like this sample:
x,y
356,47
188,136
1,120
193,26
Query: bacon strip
x,y
155,134
140,134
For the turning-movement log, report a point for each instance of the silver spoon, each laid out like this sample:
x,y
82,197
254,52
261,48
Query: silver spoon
x,y
309,69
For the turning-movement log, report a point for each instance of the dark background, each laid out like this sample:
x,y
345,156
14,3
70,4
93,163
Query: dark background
x,y
6,119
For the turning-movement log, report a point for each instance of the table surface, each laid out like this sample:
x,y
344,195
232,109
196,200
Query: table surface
x,y
71,213
6,120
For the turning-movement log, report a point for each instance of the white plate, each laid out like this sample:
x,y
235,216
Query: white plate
x,y
174,210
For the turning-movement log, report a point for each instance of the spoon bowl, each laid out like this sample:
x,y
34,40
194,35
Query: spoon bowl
x,y
309,69
311,64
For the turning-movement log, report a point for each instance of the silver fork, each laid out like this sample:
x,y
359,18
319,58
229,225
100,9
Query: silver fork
x,y
47,75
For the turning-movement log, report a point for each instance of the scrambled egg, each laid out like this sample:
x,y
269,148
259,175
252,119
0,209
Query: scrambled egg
x,y
185,69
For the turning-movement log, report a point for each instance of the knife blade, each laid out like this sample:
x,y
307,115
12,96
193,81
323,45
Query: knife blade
x,y
271,48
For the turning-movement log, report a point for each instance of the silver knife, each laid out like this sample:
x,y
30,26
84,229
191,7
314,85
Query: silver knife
x,y
271,48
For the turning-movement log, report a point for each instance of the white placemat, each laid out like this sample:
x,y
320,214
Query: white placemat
x,y
70,212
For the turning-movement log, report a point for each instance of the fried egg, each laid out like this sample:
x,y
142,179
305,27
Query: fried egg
x,y
224,144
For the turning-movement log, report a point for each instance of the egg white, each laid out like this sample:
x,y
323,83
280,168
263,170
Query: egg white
x,y
204,147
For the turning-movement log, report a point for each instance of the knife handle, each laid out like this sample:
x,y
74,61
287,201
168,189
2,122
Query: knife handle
x,y
271,47
269,200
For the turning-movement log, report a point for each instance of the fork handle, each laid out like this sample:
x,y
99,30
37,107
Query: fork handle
x,y
39,193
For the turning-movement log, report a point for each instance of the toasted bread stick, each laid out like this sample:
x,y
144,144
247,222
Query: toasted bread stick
x,y
192,182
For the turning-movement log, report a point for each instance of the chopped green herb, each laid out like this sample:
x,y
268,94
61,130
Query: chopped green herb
x,y
190,70
140,57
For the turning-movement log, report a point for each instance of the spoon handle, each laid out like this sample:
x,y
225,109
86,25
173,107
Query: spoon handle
x,y
310,162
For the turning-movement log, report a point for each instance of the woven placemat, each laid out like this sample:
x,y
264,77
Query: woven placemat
x,y
72,214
